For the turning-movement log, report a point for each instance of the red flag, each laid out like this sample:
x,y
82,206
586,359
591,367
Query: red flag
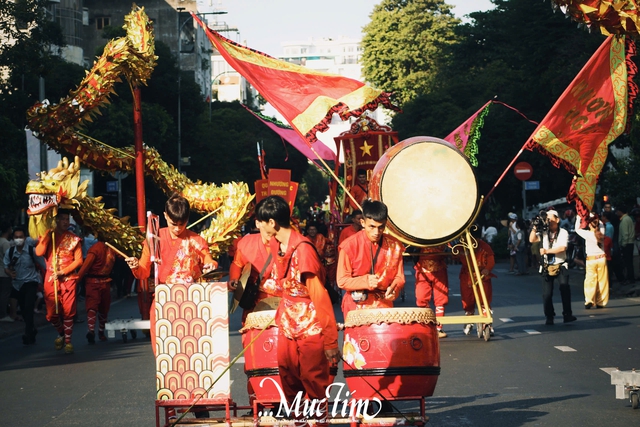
x,y
588,116
465,137
306,98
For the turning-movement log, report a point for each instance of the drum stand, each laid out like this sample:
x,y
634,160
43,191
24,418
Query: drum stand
x,y
483,320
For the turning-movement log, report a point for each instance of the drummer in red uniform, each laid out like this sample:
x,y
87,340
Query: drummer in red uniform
x,y
185,254
432,280
308,336
360,191
370,266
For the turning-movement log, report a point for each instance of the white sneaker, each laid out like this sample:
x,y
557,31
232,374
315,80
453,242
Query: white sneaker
x,y
7,318
467,328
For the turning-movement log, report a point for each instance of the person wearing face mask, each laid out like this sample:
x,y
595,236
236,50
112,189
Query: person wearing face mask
x,y
21,265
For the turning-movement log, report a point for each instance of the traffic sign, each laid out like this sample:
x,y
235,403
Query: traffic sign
x,y
523,171
112,186
532,185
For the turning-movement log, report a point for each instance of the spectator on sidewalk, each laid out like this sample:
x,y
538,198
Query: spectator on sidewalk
x,y
22,266
5,280
626,239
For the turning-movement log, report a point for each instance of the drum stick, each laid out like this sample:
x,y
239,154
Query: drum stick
x,y
418,254
118,251
332,173
204,217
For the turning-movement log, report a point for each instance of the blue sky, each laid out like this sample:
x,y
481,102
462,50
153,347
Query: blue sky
x,y
263,25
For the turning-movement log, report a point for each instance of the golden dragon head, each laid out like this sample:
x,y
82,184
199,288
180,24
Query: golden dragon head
x,y
53,190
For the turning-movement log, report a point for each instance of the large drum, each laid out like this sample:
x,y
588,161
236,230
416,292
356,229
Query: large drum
x,y
261,358
394,350
429,188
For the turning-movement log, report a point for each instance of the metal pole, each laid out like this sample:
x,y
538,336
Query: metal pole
x,y
119,194
43,147
524,199
179,9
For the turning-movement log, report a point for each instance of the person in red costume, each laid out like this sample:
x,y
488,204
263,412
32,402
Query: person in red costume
x,y
254,249
370,267
97,268
486,261
185,255
62,251
356,220
318,240
360,191
308,336
432,281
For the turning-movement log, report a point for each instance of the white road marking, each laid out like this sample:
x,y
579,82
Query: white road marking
x,y
455,295
564,348
608,370
532,332
505,320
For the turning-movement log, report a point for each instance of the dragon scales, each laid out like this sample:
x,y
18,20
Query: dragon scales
x,y
55,124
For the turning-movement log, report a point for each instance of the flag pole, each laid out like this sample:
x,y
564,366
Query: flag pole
x,y
332,173
505,171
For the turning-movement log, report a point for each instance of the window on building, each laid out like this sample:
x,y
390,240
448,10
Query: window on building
x,y
102,22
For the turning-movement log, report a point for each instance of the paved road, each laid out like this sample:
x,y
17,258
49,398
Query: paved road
x,y
527,375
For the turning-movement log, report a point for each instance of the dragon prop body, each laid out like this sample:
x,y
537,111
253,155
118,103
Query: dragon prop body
x,y
132,57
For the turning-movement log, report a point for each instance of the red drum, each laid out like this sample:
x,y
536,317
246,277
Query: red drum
x,y
394,350
261,358
429,188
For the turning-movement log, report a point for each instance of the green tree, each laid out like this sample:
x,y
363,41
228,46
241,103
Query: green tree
x,y
405,44
522,54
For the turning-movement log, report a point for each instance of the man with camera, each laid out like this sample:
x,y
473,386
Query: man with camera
x,y
554,239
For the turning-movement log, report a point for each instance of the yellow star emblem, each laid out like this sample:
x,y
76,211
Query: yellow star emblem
x,y
366,149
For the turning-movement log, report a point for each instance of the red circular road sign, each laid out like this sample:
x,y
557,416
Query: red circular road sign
x,y
523,171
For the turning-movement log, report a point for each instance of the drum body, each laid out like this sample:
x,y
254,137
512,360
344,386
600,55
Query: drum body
x,y
261,358
429,188
394,350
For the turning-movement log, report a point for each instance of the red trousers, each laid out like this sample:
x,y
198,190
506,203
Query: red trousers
x,y
97,302
303,366
66,299
62,318
466,294
434,284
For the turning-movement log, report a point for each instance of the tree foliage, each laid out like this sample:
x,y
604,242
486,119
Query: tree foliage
x,y
405,44
522,54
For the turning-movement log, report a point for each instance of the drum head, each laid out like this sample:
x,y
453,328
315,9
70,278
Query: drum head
x,y
429,188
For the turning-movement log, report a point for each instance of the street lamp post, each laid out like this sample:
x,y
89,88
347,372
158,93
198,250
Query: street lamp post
x,y
179,9
179,26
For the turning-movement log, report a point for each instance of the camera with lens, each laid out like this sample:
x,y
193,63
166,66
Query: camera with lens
x,y
540,222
